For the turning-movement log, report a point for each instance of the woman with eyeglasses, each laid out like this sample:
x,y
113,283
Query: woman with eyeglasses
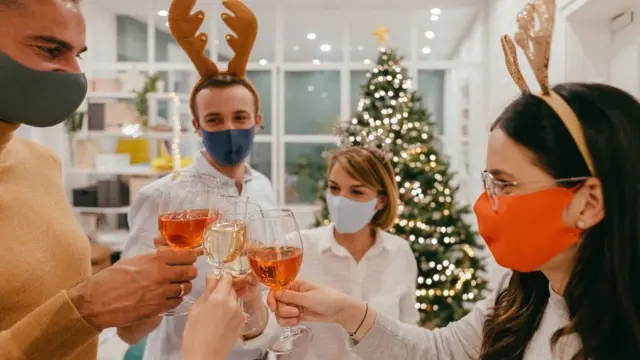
x,y
561,208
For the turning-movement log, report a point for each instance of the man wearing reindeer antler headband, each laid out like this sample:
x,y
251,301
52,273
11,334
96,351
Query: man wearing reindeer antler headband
x,y
560,210
226,114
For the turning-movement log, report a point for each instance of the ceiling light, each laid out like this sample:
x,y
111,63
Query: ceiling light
x,y
435,17
315,62
325,47
360,48
296,47
262,62
436,11
367,61
311,36
310,88
430,34
163,13
426,50
324,95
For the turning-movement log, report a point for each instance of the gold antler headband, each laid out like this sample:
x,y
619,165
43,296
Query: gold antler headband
x,y
184,26
536,44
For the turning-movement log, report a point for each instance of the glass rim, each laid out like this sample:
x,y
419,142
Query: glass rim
x,y
271,214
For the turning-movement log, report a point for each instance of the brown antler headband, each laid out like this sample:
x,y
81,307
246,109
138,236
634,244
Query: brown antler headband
x,y
184,26
536,44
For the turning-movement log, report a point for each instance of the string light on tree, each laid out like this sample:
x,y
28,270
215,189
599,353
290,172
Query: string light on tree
x,y
177,131
390,116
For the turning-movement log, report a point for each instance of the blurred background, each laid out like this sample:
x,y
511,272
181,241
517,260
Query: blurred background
x,y
308,64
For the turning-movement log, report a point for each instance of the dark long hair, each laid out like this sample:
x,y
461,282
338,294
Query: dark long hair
x,y
603,292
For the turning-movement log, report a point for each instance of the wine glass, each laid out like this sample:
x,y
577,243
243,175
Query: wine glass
x,y
188,205
224,244
274,250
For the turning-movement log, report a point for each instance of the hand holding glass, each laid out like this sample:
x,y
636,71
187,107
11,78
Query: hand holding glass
x,y
225,241
274,250
188,205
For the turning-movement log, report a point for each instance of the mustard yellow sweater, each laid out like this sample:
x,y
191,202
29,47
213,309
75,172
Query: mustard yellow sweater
x,y
43,252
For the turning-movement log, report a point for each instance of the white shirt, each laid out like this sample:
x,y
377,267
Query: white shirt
x,y
165,341
384,277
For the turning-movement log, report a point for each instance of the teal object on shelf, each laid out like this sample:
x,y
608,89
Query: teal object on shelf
x,y
136,351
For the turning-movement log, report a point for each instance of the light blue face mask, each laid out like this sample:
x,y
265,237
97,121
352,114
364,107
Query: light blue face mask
x,y
350,216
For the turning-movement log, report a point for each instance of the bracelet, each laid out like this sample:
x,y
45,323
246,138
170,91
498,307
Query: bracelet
x,y
366,311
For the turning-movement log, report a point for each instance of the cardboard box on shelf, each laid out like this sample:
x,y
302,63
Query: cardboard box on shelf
x,y
112,193
137,149
119,114
84,153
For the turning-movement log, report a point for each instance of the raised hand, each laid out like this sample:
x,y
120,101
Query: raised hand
x,y
215,322
136,288
305,301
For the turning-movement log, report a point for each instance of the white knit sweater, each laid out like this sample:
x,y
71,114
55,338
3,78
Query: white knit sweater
x,y
462,340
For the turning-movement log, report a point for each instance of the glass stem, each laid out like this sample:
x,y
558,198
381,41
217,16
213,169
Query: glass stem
x,y
241,305
287,332
218,271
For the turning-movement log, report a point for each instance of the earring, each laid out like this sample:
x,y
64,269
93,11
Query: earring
x,y
580,225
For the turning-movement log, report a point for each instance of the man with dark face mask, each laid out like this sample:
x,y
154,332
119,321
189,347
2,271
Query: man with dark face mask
x,y
50,306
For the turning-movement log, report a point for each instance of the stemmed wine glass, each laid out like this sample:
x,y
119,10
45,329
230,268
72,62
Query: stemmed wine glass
x,y
188,205
274,250
225,242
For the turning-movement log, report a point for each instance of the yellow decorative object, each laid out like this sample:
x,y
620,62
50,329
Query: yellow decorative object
x,y
138,149
165,163
382,35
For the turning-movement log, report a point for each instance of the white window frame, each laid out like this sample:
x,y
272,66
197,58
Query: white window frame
x,y
277,138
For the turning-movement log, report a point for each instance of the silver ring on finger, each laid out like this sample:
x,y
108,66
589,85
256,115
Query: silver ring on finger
x,y
181,291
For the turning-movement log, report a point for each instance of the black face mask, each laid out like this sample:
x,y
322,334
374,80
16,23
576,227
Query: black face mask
x,y
38,98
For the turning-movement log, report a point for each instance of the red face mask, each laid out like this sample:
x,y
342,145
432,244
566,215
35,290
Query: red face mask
x,y
526,230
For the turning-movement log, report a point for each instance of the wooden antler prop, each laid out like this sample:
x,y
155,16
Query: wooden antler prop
x,y
245,25
536,41
184,27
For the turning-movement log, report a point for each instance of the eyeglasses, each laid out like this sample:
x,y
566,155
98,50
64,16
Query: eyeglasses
x,y
496,188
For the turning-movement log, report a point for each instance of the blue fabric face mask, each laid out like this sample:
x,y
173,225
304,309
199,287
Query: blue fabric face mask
x,y
228,147
350,216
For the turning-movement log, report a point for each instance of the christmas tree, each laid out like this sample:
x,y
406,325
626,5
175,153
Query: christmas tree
x,y
390,117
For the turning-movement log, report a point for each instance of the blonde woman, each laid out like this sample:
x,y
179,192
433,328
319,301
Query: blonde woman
x,y
355,253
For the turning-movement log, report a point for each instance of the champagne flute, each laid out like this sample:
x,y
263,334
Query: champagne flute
x,y
188,205
224,244
274,250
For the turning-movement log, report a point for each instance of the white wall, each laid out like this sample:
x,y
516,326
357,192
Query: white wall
x,y
624,70
101,32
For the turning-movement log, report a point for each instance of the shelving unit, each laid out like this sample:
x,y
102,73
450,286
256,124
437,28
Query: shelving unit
x,y
88,177
101,210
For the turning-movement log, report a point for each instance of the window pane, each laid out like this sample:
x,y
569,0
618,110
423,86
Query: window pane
x,y
358,79
313,34
440,33
263,48
167,49
431,88
312,103
365,46
178,81
305,167
260,158
114,33
261,80
132,38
